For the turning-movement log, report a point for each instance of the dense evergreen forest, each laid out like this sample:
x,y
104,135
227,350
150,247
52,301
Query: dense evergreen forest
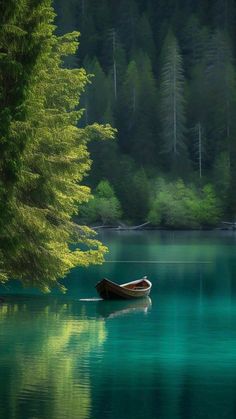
x,y
164,76
162,73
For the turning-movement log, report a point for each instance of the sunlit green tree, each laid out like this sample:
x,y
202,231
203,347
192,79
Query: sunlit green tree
x,y
52,150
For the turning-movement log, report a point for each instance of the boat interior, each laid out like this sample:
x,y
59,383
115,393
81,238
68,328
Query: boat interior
x,y
139,286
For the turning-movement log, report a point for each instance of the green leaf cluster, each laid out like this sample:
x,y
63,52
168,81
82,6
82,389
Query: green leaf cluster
x,y
103,207
177,205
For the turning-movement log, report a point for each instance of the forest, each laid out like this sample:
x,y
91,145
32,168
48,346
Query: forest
x,y
163,75
133,101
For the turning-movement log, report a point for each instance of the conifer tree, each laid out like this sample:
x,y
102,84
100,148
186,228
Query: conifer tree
x,y
145,139
221,77
197,118
116,61
23,35
53,156
138,110
128,106
145,39
219,91
193,42
172,98
19,52
127,19
96,93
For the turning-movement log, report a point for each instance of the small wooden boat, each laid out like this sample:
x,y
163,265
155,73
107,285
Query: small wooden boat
x,y
109,290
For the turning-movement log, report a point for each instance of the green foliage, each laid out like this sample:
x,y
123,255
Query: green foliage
x,y
177,205
37,240
135,195
174,71
210,209
24,33
103,207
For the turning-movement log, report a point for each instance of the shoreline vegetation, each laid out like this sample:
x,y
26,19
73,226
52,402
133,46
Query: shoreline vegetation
x,y
149,227
169,205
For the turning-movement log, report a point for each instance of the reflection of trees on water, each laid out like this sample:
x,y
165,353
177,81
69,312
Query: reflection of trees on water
x,y
169,364
46,351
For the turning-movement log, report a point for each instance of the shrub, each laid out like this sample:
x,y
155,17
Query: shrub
x,y
103,207
177,205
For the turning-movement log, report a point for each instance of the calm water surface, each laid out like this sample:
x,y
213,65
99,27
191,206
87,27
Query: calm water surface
x,y
170,357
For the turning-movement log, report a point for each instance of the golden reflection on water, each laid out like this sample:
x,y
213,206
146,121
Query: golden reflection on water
x,y
48,357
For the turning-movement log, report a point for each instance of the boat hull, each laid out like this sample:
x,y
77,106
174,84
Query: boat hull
x,y
109,290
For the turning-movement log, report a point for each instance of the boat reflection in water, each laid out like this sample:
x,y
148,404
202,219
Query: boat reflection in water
x,y
110,309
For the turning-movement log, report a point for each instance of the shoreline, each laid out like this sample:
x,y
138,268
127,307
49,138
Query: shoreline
x,y
134,228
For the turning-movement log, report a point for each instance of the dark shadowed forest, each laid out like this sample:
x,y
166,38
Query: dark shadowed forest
x,y
164,76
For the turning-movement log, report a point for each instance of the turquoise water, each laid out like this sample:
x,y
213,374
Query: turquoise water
x,y
168,357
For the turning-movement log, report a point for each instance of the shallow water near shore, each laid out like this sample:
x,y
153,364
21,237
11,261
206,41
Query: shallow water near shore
x,y
171,356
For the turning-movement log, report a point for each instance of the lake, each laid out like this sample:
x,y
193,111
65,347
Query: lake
x,y
172,356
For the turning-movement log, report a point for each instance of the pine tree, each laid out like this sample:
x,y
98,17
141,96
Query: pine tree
x,y
145,39
137,116
98,101
23,36
197,118
132,90
193,42
127,20
172,99
220,91
115,60
145,139
39,235
128,107
19,52
96,95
